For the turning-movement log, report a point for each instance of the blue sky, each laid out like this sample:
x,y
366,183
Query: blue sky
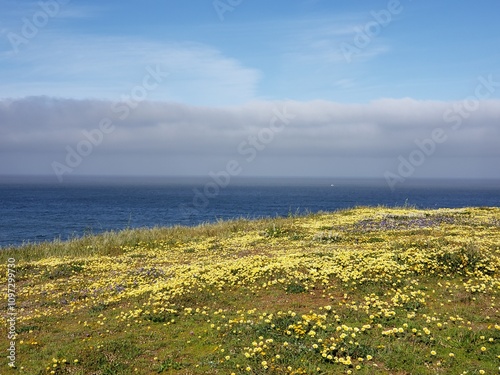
x,y
276,50
261,53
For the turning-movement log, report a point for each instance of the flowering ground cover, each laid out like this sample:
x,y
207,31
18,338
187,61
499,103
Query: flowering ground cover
x,y
359,291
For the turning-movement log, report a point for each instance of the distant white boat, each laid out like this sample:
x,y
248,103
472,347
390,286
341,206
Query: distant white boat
x,y
332,185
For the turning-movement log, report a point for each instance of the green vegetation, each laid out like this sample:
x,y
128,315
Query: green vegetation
x,y
360,291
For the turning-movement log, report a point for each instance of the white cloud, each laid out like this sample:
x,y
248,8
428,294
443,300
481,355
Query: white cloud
x,y
322,131
320,41
108,67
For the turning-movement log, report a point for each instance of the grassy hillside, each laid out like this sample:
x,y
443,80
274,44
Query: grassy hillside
x,y
361,291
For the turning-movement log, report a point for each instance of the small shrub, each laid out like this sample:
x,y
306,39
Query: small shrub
x,y
97,308
328,237
274,231
169,364
64,270
295,288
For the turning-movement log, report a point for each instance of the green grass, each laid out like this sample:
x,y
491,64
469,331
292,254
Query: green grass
x,y
361,291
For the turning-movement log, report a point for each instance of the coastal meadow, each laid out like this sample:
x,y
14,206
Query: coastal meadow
x,y
368,290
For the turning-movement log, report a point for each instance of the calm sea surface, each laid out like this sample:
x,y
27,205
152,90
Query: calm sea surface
x,y
36,209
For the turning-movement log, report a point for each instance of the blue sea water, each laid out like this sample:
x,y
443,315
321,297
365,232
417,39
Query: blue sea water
x,y
37,209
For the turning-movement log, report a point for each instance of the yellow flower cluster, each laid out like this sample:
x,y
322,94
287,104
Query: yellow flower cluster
x,y
312,293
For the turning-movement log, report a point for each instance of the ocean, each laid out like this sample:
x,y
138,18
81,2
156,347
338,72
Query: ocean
x,y
39,209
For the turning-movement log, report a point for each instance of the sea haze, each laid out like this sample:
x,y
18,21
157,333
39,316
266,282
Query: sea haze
x,y
36,209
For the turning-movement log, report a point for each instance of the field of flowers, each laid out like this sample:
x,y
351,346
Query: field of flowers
x,y
359,291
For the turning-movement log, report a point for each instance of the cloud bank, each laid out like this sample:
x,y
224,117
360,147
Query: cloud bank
x,y
322,138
